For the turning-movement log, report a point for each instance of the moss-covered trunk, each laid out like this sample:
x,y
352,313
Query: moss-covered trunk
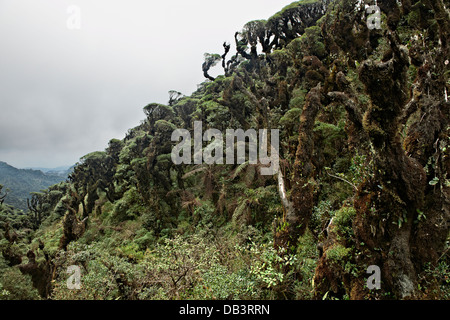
x,y
397,206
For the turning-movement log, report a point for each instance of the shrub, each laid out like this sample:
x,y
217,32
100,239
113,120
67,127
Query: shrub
x,y
269,269
16,286
307,258
128,207
103,276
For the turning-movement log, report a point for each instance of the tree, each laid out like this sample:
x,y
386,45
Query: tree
x,y
387,227
225,65
174,97
298,208
37,206
155,112
210,61
2,196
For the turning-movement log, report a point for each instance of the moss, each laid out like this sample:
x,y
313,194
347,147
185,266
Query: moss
x,y
291,6
312,42
130,206
164,126
329,131
291,117
162,226
50,237
329,136
338,254
372,128
343,221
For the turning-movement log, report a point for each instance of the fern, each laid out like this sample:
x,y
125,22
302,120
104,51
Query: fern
x,y
239,169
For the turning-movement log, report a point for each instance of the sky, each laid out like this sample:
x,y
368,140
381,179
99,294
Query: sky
x,y
76,73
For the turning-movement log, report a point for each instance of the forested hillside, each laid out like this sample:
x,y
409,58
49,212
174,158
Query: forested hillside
x,y
21,182
360,99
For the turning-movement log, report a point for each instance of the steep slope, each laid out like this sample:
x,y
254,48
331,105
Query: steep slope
x,y
359,96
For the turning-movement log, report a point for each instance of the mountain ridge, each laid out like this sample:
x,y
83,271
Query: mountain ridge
x,y
21,182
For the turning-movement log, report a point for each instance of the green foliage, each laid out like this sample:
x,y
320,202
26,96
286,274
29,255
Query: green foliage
x,y
343,219
338,254
16,286
178,264
130,206
21,182
205,215
307,257
217,116
164,126
218,283
330,135
101,274
291,118
50,237
312,42
140,227
437,279
291,6
361,169
266,269
322,213
144,239
298,98
131,252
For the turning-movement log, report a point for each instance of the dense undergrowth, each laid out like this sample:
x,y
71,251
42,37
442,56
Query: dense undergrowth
x,y
364,158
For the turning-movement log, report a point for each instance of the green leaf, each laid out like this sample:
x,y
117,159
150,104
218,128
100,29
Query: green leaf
x,y
434,181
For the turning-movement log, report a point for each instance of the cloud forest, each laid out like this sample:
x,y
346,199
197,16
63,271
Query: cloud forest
x,y
358,209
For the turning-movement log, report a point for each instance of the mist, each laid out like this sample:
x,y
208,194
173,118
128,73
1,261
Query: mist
x,y
71,81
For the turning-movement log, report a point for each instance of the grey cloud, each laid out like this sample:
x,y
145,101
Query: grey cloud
x,y
65,93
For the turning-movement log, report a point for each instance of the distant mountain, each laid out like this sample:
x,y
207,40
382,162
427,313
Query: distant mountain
x,y
21,182
60,171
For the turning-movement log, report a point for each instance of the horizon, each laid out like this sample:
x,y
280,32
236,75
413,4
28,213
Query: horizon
x,y
38,168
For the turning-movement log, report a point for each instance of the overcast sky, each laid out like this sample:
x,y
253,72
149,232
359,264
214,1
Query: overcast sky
x,y
66,91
